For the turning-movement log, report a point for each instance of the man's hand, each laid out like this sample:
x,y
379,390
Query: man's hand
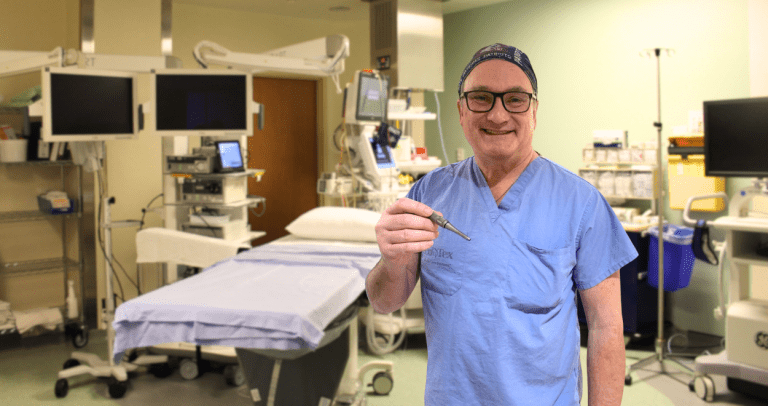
x,y
404,229
402,233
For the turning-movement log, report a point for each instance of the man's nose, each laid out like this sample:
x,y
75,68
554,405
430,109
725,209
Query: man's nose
x,y
498,114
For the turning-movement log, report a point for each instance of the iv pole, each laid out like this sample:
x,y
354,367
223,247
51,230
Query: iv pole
x,y
661,353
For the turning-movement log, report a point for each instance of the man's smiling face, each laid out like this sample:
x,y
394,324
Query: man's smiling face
x,y
498,134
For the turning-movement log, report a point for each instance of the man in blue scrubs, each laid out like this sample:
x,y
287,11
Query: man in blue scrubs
x,y
500,310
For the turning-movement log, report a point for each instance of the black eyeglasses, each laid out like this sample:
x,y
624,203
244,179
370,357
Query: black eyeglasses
x,y
482,101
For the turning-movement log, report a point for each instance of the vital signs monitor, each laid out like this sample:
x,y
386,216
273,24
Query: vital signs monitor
x,y
366,99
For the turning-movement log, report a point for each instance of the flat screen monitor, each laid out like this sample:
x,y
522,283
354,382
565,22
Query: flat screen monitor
x,y
230,158
383,155
366,99
202,102
736,137
88,105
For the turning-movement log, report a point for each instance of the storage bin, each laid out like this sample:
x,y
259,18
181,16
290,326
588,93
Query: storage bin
x,y
678,257
13,150
45,206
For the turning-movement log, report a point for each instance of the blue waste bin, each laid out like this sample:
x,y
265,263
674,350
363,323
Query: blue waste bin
x,y
678,257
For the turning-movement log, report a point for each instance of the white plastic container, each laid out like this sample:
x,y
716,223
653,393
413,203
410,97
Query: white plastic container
x,y
13,150
72,310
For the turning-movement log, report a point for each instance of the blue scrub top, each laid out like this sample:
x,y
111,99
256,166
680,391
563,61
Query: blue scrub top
x,y
500,310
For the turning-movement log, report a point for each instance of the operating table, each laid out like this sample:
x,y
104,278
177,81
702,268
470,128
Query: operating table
x,y
284,307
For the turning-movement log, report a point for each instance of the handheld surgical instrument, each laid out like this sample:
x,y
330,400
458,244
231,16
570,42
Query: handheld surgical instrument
x,y
445,224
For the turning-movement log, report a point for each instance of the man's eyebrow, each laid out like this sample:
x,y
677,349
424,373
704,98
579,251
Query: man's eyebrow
x,y
511,89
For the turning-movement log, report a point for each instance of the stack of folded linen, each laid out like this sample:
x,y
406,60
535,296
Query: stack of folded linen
x,y
7,321
46,318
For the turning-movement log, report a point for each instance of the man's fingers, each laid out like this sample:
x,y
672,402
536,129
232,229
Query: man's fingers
x,y
406,205
404,228
409,221
410,236
409,247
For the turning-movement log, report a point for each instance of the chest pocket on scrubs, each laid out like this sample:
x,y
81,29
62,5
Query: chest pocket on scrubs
x,y
536,278
439,276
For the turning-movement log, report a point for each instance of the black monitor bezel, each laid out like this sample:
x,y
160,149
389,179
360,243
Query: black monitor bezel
x,y
247,102
708,170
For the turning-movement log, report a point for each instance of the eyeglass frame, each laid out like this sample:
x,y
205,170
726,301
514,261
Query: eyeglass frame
x,y
500,95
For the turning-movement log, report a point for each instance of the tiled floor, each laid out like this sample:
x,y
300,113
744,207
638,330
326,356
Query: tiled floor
x,y
28,375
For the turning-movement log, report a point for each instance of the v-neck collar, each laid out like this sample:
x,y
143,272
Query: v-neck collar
x,y
511,200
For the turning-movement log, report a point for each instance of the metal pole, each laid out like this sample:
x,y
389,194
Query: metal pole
x,y
660,191
80,259
110,304
64,256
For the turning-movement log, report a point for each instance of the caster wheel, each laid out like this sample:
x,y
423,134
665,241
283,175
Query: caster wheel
x,y
70,363
628,380
704,387
189,369
80,339
160,370
61,389
381,342
233,374
382,383
130,356
117,388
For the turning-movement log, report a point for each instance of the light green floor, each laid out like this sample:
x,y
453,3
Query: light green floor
x,y
28,375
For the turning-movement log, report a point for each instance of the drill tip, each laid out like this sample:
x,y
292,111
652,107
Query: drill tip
x,y
445,224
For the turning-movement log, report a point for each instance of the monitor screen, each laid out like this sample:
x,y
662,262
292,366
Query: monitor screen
x,y
88,105
202,103
736,137
230,157
372,97
383,155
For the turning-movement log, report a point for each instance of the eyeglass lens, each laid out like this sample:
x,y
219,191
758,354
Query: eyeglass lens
x,y
482,101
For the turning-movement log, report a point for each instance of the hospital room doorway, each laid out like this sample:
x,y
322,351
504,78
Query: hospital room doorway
x,y
287,149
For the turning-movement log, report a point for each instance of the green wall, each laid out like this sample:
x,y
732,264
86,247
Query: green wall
x,y
591,76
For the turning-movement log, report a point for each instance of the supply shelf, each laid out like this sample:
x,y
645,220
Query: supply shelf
x,y
40,279
46,265
251,200
30,215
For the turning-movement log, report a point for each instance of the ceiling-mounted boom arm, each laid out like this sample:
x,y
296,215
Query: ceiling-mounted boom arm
x,y
319,57
18,62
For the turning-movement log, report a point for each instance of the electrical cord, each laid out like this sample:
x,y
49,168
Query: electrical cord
x,y
207,225
390,342
112,268
144,210
263,203
110,259
339,130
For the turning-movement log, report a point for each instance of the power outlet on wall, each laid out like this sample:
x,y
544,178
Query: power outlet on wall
x,y
460,154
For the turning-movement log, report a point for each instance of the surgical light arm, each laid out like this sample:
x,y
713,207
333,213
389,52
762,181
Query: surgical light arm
x,y
319,57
